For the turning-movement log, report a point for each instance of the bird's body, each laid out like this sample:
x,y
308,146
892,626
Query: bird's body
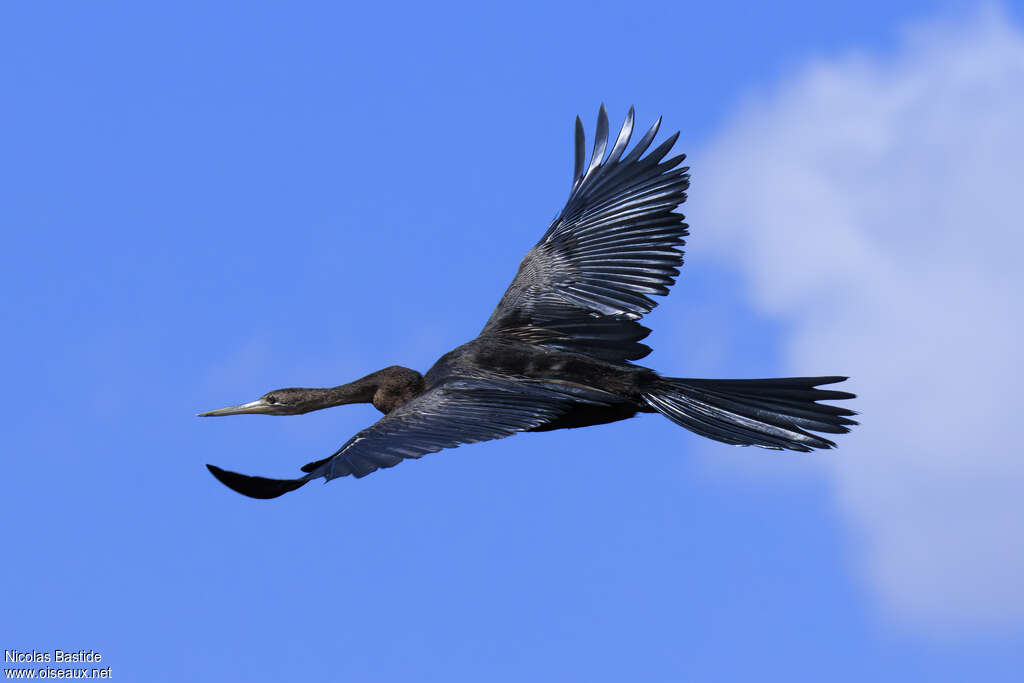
x,y
558,350
618,387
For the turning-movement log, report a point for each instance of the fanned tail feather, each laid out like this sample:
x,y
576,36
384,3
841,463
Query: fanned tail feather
x,y
776,413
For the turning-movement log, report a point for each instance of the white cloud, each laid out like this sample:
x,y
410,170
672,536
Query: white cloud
x,y
874,203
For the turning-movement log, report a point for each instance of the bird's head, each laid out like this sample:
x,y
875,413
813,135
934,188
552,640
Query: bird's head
x,y
292,401
386,389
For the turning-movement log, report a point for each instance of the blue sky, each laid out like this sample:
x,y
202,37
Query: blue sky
x,y
204,203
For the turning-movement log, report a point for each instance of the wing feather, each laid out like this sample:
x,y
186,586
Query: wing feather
x,y
600,141
587,281
581,152
458,411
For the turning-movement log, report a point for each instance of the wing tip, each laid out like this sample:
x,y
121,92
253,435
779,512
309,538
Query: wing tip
x,y
600,141
580,151
255,487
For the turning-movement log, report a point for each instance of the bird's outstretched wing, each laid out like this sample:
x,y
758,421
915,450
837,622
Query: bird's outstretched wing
x,y
459,411
588,280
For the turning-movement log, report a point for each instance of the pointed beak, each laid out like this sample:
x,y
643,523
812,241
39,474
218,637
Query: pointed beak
x,y
257,407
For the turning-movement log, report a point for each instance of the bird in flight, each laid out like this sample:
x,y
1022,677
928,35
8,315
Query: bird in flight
x,y
558,350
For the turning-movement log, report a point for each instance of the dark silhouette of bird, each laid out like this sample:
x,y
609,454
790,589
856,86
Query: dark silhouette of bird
x,y
558,350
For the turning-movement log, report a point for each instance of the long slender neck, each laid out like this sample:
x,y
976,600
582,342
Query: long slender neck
x,y
386,389
360,391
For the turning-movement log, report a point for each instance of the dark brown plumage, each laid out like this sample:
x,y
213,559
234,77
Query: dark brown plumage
x,y
557,351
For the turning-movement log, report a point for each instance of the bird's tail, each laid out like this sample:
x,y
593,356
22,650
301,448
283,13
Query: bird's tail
x,y
771,413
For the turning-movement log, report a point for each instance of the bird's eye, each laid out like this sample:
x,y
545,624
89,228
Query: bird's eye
x,y
271,399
